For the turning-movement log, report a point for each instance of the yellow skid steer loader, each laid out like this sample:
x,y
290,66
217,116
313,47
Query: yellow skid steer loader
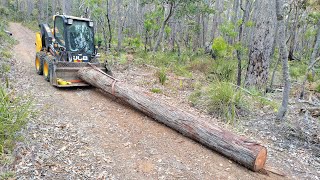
x,y
65,49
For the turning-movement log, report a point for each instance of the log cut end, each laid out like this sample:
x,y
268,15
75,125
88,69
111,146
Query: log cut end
x,y
261,159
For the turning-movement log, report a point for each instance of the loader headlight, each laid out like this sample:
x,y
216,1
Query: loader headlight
x,y
70,21
91,24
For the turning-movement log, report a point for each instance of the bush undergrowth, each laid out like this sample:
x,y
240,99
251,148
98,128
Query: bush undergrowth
x,y
219,98
14,109
14,112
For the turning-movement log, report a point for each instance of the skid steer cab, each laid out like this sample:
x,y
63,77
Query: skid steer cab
x,y
62,51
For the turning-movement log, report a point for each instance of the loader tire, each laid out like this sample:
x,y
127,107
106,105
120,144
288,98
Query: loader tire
x,y
47,67
39,62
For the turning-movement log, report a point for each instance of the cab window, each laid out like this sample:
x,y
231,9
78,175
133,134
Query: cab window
x,y
59,30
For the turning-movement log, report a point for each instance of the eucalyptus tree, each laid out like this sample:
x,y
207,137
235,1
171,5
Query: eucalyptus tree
x,y
261,44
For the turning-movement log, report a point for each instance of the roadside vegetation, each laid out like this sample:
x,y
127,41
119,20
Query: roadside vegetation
x,y
15,109
218,60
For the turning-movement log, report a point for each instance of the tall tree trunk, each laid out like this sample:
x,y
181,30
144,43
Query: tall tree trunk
x,y
261,45
238,50
315,48
163,25
120,24
235,17
217,19
41,10
293,39
173,36
274,45
109,26
197,33
284,58
53,7
64,6
246,30
47,15
274,73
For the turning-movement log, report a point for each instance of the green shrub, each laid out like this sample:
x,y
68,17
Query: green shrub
x,y
6,54
156,90
224,99
182,71
317,88
195,97
122,59
4,11
223,70
7,175
134,43
162,76
14,112
310,77
220,98
228,28
297,69
257,97
201,63
294,72
249,24
220,46
4,69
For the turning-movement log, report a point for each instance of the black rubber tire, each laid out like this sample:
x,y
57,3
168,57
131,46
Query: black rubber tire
x,y
39,57
48,67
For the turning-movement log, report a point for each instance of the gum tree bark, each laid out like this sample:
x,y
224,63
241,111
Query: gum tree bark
x,y
261,44
284,58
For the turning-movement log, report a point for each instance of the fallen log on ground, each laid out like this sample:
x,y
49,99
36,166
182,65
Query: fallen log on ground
x,y
237,148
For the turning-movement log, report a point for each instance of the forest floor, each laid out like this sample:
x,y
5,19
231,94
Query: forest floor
x,y
79,133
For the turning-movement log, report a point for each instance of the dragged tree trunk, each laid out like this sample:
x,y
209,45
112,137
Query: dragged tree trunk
x,y
237,148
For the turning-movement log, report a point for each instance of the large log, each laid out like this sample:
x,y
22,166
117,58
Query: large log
x,y
248,153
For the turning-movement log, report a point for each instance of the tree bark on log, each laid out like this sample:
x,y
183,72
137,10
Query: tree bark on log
x,y
237,148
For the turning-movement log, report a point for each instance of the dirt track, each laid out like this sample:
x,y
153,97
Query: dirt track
x,y
79,133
